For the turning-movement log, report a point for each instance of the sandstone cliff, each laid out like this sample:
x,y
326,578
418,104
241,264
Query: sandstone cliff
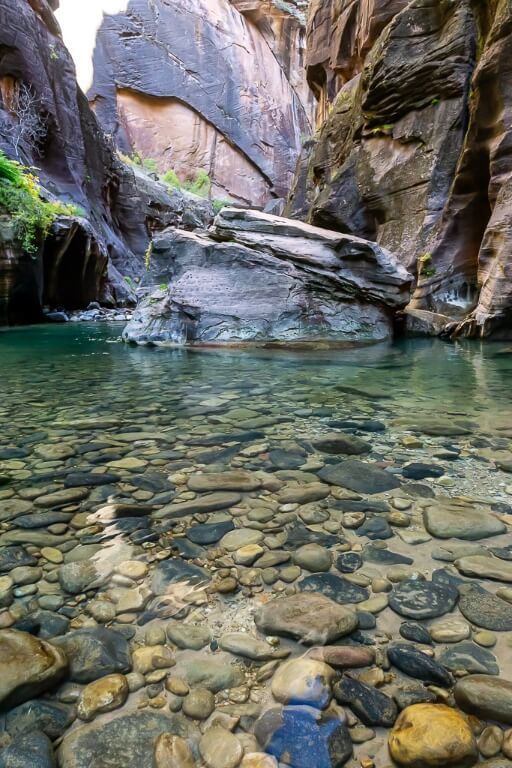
x,y
85,257
414,146
208,84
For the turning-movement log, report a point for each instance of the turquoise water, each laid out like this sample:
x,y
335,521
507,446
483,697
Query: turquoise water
x,y
105,453
87,369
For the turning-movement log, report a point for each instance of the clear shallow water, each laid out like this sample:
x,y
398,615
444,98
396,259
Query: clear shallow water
x,y
76,400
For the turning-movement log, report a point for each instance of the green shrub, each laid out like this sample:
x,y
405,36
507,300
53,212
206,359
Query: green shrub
x,y
201,185
218,205
170,178
20,200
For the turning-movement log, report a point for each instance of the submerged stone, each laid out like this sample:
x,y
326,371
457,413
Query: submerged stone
x,y
304,737
359,476
422,599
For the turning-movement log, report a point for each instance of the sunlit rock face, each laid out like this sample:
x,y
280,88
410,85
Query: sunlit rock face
x,y
207,84
85,257
414,146
262,279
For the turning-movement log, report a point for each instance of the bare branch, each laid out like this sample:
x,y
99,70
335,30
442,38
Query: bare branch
x,y
28,127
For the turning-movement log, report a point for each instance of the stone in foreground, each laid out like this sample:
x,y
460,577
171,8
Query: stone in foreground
x,y
303,737
431,736
133,734
28,667
260,279
485,696
309,617
448,521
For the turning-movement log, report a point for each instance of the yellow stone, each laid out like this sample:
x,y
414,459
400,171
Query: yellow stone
x,y
172,752
432,736
102,695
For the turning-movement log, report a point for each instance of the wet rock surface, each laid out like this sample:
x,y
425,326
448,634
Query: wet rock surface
x,y
216,600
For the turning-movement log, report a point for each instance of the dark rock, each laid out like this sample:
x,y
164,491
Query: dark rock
x,y
366,620
471,657
485,609
417,633
359,476
176,570
338,442
94,653
304,737
50,717
371,706
282,459
422,599
132,734
405,696
187,549
373,554
414,663
366,505
42,519
336,588
365,425
78,479
348,562
30,749
419,471
209,533
375,528
13,557
298,535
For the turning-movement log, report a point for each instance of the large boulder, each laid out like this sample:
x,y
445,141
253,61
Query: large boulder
x,y
261,278
413,151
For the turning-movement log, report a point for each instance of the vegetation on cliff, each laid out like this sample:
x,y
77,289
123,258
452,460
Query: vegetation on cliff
x,y
21,201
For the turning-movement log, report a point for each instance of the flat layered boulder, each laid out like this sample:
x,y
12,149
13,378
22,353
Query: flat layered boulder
x,y
260,278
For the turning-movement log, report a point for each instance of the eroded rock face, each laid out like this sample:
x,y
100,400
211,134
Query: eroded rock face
x,y
207,84
85,257
414,144
260,278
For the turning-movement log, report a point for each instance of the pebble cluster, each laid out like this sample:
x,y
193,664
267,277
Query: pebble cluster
x,y
220,560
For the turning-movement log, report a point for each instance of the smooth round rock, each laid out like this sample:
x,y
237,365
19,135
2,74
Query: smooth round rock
x,y
484,609
490,741
172,752
103,695
303,681
312,618
450,630
422,599
219,748
485,696
313,557
240,537
469,657
432,736
199,704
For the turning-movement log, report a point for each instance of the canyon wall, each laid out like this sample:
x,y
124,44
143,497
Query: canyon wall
x,y
85,257
208,84
414,145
